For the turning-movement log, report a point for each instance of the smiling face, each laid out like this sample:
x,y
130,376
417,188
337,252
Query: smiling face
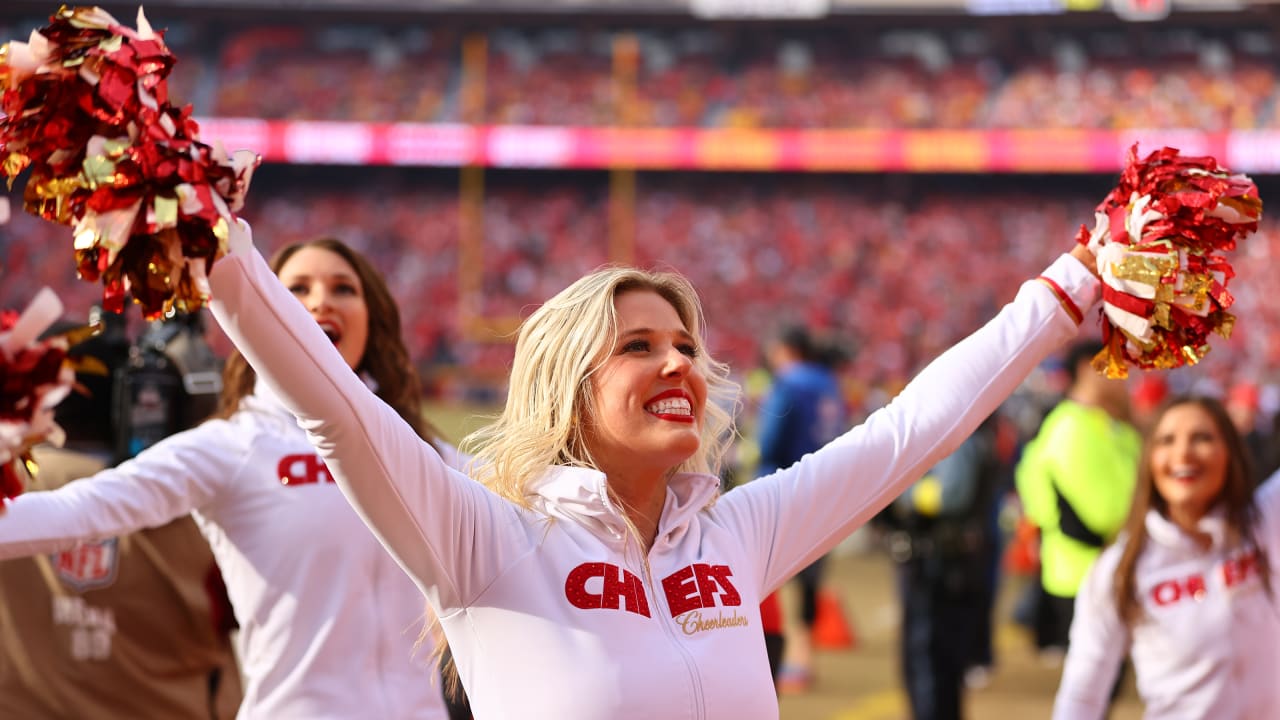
x,y
1189,460
330,289
650,395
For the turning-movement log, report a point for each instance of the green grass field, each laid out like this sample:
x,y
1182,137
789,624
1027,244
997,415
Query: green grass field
x,y
455,421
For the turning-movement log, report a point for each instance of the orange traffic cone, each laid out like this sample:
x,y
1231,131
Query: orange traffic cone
x,y
831,630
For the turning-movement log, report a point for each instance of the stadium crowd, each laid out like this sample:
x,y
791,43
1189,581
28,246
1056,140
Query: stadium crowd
x,y
833,77
996,76
909,270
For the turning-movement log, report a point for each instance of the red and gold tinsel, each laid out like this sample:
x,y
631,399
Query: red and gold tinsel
x,y
34,377
86,108
1160,238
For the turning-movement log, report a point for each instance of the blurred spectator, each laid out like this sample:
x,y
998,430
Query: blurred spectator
x,y
803,410
1149,392
942,545
1242,405
1075,480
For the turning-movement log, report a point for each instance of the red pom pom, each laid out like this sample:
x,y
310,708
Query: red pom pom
x,y
1160,238
86,107
34,378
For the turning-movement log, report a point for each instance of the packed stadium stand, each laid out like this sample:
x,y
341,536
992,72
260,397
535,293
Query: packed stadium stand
x,y
977,75
761,78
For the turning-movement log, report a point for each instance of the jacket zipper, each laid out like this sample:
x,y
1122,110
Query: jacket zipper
x,y
695,681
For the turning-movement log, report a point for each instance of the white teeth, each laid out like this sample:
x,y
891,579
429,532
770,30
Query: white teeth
x,y
331,332
671,406
1183,472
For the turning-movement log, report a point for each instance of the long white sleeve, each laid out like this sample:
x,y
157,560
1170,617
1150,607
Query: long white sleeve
x,y
168,480
1099,643
797,514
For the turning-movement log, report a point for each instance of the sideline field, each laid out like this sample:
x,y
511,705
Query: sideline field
x,y
863,684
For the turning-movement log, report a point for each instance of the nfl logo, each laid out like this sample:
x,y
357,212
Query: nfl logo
x,y
88,566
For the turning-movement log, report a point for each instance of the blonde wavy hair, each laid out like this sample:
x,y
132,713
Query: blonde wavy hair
x,y
558,349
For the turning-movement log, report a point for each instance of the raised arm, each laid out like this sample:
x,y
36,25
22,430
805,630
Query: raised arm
x,y
443,528
168,480
799,513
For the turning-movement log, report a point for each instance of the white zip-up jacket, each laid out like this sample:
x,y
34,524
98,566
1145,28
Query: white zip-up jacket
x,y
327,620
550,611
1208,641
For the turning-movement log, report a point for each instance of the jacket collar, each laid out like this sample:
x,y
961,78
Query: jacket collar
x,y
581,495
1163,531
